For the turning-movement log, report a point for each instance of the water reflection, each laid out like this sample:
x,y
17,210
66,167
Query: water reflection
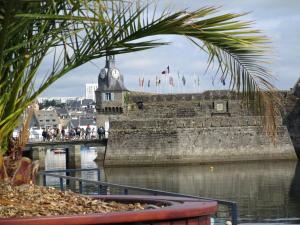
x,y
263,190
260,189
55,161
294,193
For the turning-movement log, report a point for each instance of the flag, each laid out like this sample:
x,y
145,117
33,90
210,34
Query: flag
x,y
157,81
183,80
223,80
178,75
141,82
196,79
171,81
148,83
166,71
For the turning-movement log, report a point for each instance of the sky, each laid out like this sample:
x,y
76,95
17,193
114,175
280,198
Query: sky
x,y
278,19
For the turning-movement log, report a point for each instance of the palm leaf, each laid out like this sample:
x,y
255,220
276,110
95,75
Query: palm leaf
x,y
82,30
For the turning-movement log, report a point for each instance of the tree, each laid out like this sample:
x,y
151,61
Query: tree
x,y
75,32
52,103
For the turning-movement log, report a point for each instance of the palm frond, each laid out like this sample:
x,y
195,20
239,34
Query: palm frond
x,y
80,31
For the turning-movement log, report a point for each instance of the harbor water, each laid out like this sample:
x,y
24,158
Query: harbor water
x,y
266,192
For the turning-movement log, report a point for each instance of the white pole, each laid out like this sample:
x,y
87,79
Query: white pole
x,y
166,83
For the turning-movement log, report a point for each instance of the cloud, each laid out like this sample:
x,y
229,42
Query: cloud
x,y
279,20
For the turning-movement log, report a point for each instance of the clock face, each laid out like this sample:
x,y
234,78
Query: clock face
x,y
115,73
103,73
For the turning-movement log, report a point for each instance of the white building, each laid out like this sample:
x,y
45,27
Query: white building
x,y
59,99
90,91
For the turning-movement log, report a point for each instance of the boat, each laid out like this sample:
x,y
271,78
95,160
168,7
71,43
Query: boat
x,y
58,151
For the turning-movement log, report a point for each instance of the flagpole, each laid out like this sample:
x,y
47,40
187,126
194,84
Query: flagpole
x,y
166,83
194,87
156,83
198,83
171,83
170,86
177,79
140,84
181,86
159,89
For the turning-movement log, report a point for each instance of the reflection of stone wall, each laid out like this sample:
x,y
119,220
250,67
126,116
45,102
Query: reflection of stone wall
x,y
191,128
260,189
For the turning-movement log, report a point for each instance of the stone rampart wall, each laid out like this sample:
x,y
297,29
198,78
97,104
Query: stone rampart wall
x,y
291,118
192,128
185,105
167,145
207,95
184,109
197,122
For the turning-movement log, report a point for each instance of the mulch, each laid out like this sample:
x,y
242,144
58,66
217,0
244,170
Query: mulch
x,y
32,200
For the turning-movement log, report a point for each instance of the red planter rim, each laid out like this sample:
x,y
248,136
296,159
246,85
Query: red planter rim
x,y
175,208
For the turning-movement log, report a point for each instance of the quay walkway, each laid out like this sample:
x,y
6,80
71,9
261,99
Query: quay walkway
x,y
63,143
36,150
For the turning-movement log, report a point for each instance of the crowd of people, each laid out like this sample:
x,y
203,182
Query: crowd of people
x,y
77,133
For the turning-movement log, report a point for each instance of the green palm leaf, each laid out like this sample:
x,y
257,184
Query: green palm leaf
x,y
79,31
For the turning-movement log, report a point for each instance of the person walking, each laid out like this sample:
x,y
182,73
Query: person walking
x,y
72,133
44,134
88,132
58,134
99,132
82,133
103,132
63,133
77,133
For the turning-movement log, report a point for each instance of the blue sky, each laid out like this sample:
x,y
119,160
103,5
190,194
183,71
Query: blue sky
x,y
278,19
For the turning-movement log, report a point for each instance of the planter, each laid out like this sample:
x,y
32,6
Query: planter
x,y
175,211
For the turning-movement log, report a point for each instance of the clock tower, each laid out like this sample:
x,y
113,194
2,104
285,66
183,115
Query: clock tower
x,y
110,93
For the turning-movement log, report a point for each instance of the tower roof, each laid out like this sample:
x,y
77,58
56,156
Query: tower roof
x,y
106,81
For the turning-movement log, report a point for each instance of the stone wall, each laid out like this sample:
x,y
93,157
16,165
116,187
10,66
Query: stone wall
x,y
184,105
197,122
291,116
192,128
186,141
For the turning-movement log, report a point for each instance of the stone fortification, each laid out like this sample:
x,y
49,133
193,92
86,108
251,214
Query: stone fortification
x,y
291,118
191,128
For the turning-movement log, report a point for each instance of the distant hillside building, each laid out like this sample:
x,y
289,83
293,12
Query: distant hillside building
x,y
62,113
59,99
90,91
45,119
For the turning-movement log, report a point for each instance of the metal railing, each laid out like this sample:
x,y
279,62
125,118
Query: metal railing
x,y
106,188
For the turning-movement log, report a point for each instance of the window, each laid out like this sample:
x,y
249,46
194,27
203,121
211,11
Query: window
x,y
53,120
107,96
220,107
47,120
140,105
